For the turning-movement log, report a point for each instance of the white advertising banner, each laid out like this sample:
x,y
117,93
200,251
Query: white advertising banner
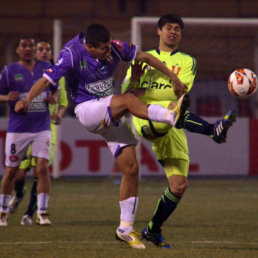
x,y
84,153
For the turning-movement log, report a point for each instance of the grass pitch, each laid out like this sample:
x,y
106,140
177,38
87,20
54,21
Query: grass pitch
x,y
216,218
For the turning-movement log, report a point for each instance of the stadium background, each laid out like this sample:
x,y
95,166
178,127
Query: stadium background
x,y
218,49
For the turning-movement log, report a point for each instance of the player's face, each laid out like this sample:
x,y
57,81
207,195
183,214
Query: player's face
x,y
26,49
102,51
170,35
43,51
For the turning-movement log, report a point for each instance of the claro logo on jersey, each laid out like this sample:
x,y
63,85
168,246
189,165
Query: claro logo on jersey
x,y
156,85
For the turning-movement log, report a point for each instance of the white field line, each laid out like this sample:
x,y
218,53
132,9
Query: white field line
x,y
223,242
116,242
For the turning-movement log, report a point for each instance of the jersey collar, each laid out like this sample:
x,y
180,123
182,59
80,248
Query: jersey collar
x,y
172,53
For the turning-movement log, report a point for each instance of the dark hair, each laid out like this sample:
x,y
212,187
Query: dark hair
x,y
22,38
170,18
44,40
96,34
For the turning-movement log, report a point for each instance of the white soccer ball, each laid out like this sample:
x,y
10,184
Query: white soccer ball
x,y
242,83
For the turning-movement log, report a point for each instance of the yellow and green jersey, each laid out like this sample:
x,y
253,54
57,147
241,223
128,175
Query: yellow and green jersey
x,y
158,86
167,142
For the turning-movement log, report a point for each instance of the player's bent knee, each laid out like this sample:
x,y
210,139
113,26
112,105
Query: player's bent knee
x,y
132,170
179,188
42,168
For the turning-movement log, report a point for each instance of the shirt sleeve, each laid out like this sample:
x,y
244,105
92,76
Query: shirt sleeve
x,y
125,51
63,66
188,77
4,82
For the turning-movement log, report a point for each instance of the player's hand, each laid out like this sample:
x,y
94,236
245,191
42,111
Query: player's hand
x,y
21,106
52,99
56,118
137,71
138,92
12,95
179,88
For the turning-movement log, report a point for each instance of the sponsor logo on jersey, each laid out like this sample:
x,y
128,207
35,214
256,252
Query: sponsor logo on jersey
x,y
119,44
13,158
49,70
38,104
83,65
18,77
156,85
101,88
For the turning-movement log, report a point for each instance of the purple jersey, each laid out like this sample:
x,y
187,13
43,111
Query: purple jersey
x,y
89,78
16,77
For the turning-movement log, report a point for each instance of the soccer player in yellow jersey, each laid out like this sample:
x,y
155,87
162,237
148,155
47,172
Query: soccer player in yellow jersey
x,y
169,144
58,103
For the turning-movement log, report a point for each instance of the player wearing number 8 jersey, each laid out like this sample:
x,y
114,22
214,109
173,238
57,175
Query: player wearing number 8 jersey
x,y
28,128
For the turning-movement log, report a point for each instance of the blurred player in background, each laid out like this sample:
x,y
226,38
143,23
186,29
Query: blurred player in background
x,y
43,53
90,60
169,144
28,128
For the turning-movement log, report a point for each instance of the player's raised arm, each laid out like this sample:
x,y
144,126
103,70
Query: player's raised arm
x,y
179,87
36,89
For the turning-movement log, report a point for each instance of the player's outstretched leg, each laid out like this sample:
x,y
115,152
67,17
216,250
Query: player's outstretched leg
x,y
221,127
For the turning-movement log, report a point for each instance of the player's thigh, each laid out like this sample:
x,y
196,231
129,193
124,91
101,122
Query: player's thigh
x,y
95,114
41,145
179,167
118,105
16,146
117,138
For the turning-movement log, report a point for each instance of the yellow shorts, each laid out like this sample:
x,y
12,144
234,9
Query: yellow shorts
x,y
176,167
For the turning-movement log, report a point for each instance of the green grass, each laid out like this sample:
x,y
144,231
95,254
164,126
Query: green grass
x,y
216,218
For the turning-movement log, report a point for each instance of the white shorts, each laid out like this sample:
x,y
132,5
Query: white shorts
x,y
96,116
16,146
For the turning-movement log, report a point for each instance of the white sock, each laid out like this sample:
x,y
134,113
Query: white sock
x,y
42,202
160,114
128,211
5,199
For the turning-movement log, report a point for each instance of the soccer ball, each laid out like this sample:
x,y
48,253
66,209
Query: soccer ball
x,y
242,83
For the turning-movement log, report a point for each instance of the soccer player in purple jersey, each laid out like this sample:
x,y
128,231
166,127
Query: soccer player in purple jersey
x,y
28,128
90,60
